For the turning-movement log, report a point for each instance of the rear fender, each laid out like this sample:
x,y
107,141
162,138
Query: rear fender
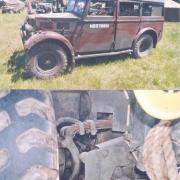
x,y
149,31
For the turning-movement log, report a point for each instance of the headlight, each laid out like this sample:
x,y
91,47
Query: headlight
x,y
29,28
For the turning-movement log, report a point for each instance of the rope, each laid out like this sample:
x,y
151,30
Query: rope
x,y
158,154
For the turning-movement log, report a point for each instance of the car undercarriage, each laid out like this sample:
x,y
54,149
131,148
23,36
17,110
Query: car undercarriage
x,y
77,135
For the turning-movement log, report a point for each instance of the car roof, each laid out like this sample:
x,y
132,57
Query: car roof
x,y
156,1
159,1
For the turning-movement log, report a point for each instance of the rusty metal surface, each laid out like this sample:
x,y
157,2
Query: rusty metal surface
x,y
67,135
99,39
87,127
108,104
104,161
127,28
44,35
103,164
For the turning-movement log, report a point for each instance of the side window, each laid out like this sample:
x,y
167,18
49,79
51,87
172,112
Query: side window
x,y
129,9
101,8
150,9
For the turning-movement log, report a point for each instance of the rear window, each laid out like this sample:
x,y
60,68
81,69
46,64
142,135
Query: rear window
x,y
129,9
150,9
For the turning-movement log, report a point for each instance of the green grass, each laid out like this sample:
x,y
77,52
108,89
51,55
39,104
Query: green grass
x,y
159,70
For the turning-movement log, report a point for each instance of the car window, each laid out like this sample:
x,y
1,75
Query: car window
x,y
101,8
129,9
150,9
76,6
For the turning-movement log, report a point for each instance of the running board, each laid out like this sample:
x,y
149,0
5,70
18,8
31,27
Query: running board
x,y
103,54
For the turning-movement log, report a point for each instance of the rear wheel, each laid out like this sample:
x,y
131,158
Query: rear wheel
x,y
143,46
28,138
46,60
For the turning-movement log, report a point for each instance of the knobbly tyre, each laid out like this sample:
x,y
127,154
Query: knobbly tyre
x,y
87,135
90,28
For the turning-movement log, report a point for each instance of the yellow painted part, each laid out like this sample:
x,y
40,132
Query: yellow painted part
x,y
159,104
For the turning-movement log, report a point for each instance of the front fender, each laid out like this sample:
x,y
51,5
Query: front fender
x,y
47,35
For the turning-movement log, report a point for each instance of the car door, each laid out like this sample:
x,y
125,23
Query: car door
x,y
98,27
128,23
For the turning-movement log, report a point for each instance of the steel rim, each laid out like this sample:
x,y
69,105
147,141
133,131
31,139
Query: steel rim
x,y
145,45
47,61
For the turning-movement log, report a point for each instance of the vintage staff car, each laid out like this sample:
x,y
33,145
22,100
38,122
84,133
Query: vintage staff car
x,y
90,28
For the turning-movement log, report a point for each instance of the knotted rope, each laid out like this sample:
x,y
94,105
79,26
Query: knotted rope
x,y
158,154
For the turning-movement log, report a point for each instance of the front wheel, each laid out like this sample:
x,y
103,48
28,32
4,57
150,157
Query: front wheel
x,y
143,46
46,60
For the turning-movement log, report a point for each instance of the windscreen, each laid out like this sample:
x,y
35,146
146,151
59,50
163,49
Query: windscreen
x,y
76,6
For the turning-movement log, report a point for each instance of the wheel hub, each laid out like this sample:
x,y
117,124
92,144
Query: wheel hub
x,y
47,61
144,46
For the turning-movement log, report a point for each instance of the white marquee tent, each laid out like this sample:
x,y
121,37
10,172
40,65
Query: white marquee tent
x,y
171,4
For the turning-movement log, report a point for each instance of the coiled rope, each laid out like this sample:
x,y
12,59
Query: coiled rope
x,y
158,154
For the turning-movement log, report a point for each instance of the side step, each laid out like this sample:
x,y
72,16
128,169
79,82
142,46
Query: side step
x,y
103,54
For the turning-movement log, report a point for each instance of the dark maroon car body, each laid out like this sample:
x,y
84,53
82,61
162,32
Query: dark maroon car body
x,y
87,34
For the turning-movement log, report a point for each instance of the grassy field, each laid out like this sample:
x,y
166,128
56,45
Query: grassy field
x,y
160,70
